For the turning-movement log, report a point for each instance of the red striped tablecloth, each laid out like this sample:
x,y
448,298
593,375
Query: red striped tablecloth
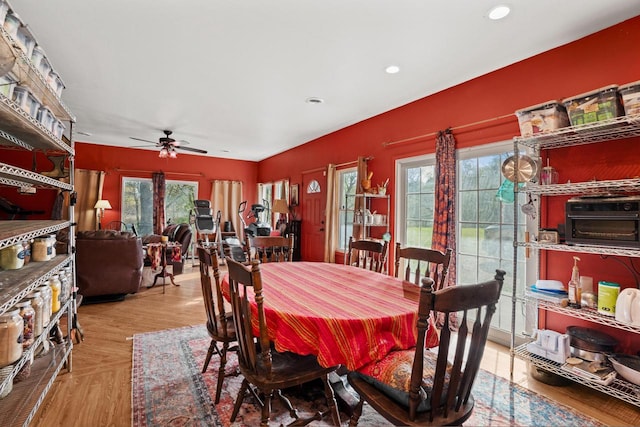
x,y
343,314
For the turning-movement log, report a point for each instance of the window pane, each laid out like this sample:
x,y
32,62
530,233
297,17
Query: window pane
x,y
489,206
468,206
489,171
468,174
413,180
179,197
468,242
137,204
347,182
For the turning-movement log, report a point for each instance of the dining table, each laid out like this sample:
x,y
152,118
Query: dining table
x,y
342,314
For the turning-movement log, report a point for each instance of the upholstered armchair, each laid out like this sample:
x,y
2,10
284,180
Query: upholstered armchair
x,y
108,263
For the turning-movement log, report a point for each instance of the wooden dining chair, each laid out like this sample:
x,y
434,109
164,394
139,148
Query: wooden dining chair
x,y
427,388
271,248
423,262
219,323
264,368
367,254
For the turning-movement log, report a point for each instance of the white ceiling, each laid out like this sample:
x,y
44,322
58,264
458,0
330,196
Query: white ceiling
x,y
232,76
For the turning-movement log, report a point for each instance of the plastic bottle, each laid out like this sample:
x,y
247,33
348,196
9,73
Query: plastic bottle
x,y
575,290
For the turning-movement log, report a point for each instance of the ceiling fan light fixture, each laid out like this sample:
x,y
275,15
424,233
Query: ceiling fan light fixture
x,y
164,153
173,154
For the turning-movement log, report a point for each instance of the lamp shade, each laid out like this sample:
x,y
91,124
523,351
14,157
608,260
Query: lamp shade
x,y
102,204
280,206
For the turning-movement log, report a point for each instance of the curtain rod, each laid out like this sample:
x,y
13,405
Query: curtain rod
x,y
145,171
426,135
339,165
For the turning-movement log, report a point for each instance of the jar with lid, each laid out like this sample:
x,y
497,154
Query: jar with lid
x,y
55,285
12,257
11,328
45,293
64,285
26,248
27,313
38,304
52,246
40,249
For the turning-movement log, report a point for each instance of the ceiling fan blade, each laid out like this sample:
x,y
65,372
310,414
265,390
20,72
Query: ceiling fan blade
x,y
144,140
195,150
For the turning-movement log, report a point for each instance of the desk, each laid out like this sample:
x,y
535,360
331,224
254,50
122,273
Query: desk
x,y
345,315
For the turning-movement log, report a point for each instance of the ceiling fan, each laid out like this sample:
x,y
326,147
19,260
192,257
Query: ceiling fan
x,y
168,145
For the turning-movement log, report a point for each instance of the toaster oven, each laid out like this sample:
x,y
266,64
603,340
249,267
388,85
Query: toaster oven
x,y
606,220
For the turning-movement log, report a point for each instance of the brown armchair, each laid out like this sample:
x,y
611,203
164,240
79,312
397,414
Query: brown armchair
x,y
108,263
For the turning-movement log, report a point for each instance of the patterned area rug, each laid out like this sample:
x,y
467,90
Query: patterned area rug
x,y
169,390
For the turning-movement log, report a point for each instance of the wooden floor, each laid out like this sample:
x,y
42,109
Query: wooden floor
x,y
98,390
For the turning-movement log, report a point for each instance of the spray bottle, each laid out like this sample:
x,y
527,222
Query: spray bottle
x,y
575,290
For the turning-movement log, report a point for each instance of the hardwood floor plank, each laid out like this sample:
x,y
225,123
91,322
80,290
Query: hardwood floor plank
x,y
98,391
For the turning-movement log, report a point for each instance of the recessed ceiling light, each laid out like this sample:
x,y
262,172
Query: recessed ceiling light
x,y
499,12
392,69
314,100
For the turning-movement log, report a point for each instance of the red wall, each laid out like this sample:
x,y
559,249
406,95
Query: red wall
x,y
607,57
119,162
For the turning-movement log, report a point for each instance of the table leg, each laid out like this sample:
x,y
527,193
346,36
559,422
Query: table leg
x,y
164,273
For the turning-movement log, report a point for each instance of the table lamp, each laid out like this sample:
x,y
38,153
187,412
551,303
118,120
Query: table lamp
x,y
281,207
101,205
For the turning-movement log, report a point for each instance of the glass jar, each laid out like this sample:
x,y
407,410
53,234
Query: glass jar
x,y
64,286
40,249
12,257
8,385
55,285
38,304
69,272
28,314
45,293
11,328
26,251
52,246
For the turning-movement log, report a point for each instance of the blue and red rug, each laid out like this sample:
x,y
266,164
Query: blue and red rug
x,y
169,390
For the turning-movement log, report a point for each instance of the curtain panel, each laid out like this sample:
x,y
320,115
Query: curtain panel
x,y
444,226
88,186
226,197
332,222
159,190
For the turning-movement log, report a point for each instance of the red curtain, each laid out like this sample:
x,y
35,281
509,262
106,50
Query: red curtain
x,y
159,188
444,227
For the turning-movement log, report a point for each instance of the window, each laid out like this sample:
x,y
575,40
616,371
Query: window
x,y
347,180
417,185
137,202
485,225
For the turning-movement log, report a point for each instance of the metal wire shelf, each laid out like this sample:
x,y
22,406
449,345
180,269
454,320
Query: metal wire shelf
x,y
585,249
605,130
14,176
620,388
591,187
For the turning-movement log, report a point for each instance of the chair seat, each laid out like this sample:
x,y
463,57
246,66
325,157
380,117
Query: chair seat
x,y
398,415
392,376
289,369
230,330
